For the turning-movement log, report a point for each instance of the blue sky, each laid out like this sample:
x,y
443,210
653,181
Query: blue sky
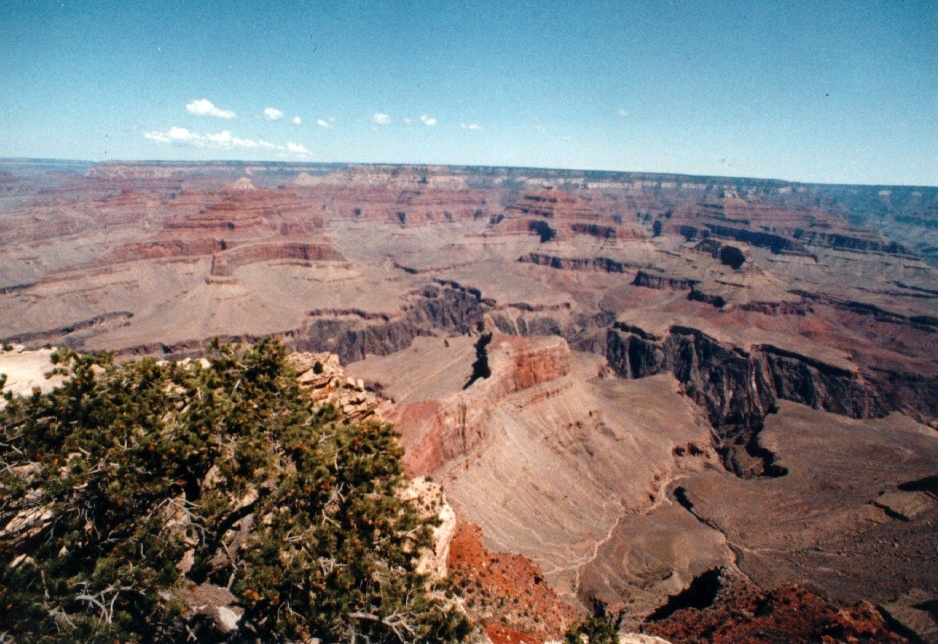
x,y
805,91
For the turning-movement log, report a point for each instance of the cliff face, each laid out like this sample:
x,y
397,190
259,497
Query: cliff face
x,y
575,263
817,385
739,388
352,335
652,280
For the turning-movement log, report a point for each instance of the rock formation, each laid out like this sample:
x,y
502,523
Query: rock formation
x,y
660,346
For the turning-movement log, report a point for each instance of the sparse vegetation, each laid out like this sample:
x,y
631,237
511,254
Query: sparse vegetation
x,y
732,257
599,628
131,485
593,630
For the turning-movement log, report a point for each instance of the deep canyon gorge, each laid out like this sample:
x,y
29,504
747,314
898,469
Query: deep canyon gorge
x,y
639,389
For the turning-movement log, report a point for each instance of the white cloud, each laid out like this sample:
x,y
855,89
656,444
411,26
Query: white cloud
x,y
426,120
176,135
223,140
204,107
297,120
297,149
408,121
622,112
323,123
180,134
380,119
156,136
473,127
273,114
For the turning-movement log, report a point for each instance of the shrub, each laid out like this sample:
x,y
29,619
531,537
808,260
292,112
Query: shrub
x,y
594,630
732,257
130,484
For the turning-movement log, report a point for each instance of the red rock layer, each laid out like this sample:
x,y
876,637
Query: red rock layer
x,y
438,432
505,593
568,215
224,263
248,226
743,614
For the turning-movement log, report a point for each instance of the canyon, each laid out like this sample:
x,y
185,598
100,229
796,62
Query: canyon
x,y
640,384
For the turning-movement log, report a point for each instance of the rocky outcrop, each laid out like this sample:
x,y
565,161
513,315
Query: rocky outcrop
x,y
726,381
818,385
776,308
506,592
240,216
659,281
553,213
23,371
603,264
595,230
169,248
430,502
72,334
696,295
543,230
778,244
351,334
900,388
878,313
326,380
839,241
444,306
243,184
444,433
728,255
723,606
223,264
549,203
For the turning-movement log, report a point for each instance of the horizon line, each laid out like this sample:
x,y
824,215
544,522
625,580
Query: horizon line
x,y
456,165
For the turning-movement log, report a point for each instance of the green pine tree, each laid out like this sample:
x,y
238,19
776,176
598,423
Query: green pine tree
x,y
131,483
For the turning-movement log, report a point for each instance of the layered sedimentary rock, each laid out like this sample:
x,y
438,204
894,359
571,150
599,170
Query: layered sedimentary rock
x,y
440,434
553,213
672,336
576,263
401,196
239,215
538,447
